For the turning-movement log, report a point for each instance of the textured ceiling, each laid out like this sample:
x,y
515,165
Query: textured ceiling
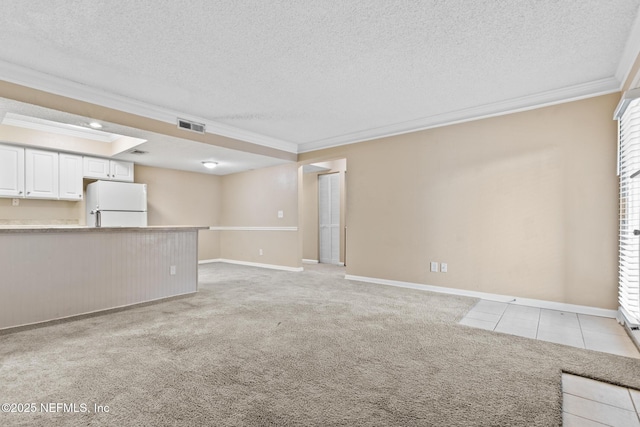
x,y
309,74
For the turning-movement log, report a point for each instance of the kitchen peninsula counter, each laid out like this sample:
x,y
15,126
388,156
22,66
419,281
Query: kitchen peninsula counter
x,y
55,272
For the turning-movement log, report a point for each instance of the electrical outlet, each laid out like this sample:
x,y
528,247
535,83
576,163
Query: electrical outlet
x,y
15,202
172,270
280,214
443,267
260,252
434,267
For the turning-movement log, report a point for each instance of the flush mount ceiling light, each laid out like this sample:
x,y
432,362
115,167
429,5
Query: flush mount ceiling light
x,y
209,165
95,125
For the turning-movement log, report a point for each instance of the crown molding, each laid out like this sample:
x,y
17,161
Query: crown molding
x,y
34,79
529,102
630,53
45,82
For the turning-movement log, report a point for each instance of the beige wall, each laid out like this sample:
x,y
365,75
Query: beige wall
x,y
253,199
309,203
523,204
184,198
32,211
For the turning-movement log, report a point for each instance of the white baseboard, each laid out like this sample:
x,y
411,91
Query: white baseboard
x,y
315,261
551,305
253,264
207,261
101,311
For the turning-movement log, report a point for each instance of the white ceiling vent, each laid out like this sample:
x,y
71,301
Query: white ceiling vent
x,y
192,126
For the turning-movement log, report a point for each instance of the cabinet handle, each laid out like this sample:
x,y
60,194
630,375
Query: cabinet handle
x,y
19,192
28,192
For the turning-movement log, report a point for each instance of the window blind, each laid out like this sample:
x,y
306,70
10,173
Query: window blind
x,y
629,243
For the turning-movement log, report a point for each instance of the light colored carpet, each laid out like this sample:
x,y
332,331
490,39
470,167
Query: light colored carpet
x,y
259,348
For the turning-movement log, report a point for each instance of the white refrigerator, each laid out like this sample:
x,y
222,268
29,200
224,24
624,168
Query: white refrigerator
x,y
116,204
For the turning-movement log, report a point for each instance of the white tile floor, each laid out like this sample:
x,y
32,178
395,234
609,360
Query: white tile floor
x,y
585,402
577,330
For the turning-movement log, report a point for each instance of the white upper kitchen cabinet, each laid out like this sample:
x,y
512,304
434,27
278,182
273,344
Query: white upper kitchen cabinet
x,y
95,167
121,171
11,171
41,174
116,170
70,186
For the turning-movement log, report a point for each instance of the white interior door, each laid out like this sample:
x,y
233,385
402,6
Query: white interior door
x,y
329,217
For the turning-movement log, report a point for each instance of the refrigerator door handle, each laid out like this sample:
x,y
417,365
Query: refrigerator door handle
x,y
98,215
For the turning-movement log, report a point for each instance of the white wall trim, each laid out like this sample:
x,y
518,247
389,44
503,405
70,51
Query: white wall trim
x,y
208,261
30,78
100,311
310,261
530,102
624,317
551,305
254,264
34,79
232,228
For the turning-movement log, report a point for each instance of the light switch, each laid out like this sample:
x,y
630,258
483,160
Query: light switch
x,y
434,267
443,267
280,214
15,202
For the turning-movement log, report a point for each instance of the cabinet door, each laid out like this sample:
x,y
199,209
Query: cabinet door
x,y
94,167
41,174
70,177
11,171
121,171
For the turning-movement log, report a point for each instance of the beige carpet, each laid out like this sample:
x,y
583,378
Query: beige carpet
x,y
267,348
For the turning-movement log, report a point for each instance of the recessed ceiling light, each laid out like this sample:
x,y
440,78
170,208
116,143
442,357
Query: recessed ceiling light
x,y
95,125
209,165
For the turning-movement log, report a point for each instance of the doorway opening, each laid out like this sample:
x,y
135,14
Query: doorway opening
x,y
324,227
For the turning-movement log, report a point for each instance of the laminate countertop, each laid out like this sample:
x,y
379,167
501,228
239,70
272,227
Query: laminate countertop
x,y
84,229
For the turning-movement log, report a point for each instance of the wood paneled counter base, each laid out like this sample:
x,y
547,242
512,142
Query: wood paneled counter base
x,y
49,273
